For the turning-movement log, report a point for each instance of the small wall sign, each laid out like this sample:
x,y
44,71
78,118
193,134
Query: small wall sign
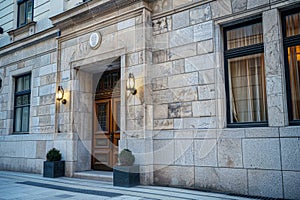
x,y
95,40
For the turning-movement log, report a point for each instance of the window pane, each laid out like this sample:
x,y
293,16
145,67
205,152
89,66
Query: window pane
x,y
245,36
19,86
247,89
25,119
26,83
29,11
292,24
19,101
18,114
22,14
294,69
103,114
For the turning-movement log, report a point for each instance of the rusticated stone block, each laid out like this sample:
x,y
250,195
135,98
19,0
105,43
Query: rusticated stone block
x,y
200,14
178,110
230,153
174,176
265,183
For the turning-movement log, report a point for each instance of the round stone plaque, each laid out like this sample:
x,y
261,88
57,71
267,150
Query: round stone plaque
x,y
95,40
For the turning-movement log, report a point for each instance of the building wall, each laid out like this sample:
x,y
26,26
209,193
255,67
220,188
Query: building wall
x,y
176,123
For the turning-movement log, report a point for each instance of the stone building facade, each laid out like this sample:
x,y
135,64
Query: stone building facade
x,y
187,124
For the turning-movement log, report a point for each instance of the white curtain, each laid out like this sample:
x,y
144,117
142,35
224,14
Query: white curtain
x,y
294,68
248,93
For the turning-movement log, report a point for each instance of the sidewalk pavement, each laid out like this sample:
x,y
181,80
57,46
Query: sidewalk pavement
x,y
15,185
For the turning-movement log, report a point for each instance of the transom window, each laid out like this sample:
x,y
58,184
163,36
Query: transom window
x,y
22,104
25,12
245,74
291,32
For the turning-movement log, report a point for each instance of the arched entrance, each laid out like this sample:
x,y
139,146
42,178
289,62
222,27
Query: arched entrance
x,y
107,121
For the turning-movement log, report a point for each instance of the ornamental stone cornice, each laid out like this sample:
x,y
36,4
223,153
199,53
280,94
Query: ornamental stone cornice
x,y
89,10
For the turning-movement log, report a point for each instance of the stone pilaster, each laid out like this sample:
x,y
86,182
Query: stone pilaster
x,y
274,68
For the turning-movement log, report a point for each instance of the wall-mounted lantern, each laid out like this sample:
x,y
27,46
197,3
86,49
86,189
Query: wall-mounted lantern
x,y
60,95
131,84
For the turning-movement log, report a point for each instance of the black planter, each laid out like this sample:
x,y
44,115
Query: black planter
x,y
126,176
54,169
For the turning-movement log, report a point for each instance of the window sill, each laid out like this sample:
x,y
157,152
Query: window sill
x,y
248,125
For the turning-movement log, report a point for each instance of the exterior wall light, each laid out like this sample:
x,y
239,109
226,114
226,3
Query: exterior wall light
x,y
60,95
131,84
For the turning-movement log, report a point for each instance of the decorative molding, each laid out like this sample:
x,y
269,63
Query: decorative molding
x,y
90,10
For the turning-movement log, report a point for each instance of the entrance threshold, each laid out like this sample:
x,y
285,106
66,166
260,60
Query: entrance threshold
x,y
95,175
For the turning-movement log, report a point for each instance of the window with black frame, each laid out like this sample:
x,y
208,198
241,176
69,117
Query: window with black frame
x,y
245,74
25,12
22,103
291,32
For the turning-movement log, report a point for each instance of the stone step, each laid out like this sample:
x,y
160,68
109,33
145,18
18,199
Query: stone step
x,y
95,175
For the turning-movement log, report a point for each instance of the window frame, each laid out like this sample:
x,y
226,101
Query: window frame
x,y
19,3
235,53
289,42
21,93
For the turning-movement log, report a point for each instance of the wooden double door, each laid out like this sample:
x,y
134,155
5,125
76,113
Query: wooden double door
x,y
106,134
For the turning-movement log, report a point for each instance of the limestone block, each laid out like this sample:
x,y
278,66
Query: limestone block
x,y
30,149
178,66
159,56
182,51
289,131
178,3
271,25
205,153
238,5
181,19
205,134
184,134
221,8
178,110
47,89
160,111
160,97
276,110
182,36
61,145
262,132
163,124
205,47
204,108
184,152
45,60
231,133
273,58
159,83
174,176
160,41
132,59
161,5
221,179
206,92
41,149
162,134
274,85
126,24
261,153
256,3
183,80
184,94
291,182
163,152
199,63
230,153
203,31
265,183
200,14
160,70
290,153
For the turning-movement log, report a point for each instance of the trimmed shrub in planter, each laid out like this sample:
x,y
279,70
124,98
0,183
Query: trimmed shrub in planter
x,y
126,174
54,166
